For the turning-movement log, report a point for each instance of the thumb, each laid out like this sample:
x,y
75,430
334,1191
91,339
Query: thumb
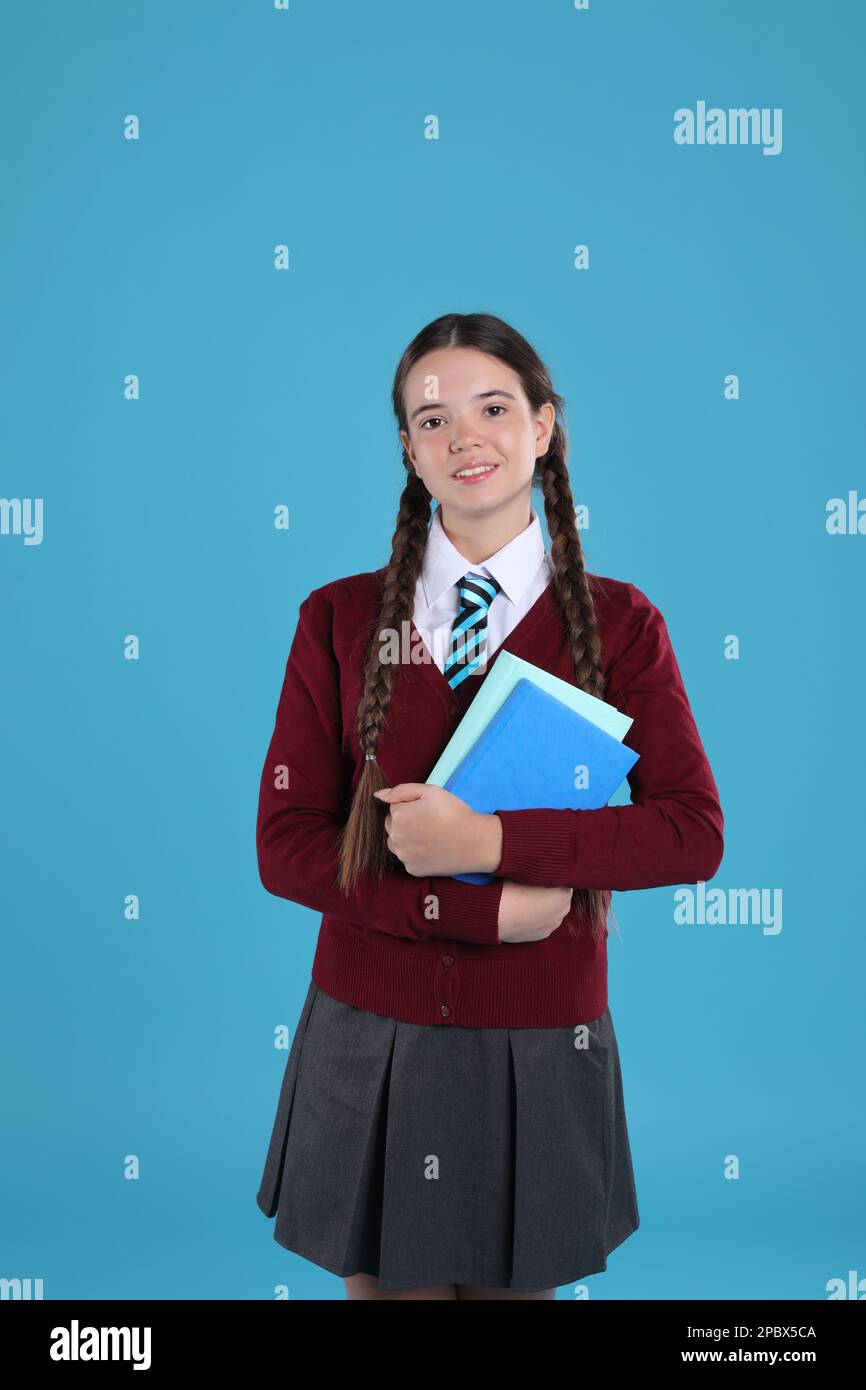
x,y
406,791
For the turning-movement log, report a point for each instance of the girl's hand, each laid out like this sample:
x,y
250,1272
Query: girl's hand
x,y
529,912
433,832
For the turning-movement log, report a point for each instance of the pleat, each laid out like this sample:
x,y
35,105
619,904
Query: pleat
x,y
561,1176
449,1193
330,1192
273,1169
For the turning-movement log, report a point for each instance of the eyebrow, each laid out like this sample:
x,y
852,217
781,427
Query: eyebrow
x,y
482,396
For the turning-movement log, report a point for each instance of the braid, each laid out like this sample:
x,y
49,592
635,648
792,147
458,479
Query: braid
x,y
576,606
571,585
362,843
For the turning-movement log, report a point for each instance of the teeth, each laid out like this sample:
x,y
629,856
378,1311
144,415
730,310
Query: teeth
x,y
470,472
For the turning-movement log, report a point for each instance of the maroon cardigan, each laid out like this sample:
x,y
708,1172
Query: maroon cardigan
x,y
427,950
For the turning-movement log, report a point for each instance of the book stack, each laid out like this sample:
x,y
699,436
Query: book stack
x,y
532,740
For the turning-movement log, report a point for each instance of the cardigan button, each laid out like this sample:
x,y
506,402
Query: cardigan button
x,y
454,711
447,960
444,1010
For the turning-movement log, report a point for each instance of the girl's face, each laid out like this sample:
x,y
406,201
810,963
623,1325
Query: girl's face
x,y
464,410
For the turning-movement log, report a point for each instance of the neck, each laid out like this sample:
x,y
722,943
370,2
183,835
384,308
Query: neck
x,y
478,537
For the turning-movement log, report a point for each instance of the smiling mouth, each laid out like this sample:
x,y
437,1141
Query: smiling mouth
x,y
474,472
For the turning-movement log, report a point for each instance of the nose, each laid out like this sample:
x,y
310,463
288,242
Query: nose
x,y
465,434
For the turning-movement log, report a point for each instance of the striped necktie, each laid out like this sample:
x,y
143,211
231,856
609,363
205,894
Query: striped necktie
x,y
469,632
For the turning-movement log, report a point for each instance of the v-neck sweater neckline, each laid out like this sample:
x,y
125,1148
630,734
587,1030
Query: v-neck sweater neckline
x,y
544,606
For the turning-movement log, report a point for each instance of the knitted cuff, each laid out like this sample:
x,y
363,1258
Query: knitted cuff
x,y
538,847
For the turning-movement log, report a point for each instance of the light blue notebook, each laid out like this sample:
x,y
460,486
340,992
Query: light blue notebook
x,y
538,752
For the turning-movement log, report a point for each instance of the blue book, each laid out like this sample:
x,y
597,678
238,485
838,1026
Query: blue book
x,y
538,752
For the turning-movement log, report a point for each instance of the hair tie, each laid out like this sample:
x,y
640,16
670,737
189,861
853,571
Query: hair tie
x,y
369,757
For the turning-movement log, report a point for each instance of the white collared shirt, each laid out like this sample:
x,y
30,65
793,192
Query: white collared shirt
x,y
523,569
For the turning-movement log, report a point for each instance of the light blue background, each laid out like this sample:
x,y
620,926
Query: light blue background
x,y
258,388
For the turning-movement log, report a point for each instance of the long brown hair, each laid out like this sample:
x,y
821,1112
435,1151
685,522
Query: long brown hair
x,y
363,847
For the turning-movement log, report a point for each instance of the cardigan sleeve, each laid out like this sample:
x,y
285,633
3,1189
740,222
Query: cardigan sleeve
x,y
673,830
304,794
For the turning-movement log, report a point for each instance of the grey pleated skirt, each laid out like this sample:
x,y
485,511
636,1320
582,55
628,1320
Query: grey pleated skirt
x,y
429,1155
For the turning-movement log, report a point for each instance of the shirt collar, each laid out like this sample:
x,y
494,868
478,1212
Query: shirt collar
x,y
513,567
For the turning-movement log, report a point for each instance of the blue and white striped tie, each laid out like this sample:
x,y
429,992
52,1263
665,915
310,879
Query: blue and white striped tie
x,y
469,632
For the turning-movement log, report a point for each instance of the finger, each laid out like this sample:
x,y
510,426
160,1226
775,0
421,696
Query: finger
x,y
405,791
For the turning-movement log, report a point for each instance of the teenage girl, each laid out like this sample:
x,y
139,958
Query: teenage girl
x,y
451,1121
